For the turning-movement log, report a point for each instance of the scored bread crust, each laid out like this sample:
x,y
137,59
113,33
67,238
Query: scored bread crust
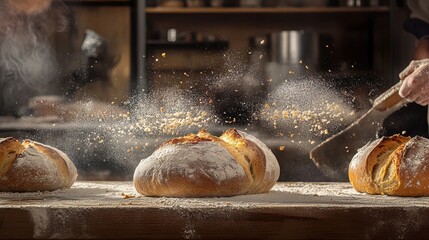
x,y
10,149
202,165
395,165
34,167
414,168
272,167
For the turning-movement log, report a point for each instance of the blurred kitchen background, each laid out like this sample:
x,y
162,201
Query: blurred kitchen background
x,y
115,78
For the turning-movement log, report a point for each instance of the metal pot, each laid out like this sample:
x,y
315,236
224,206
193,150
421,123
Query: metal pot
x,y
296,54
294,47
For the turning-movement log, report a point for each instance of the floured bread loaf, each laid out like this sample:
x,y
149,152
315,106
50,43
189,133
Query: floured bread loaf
x,y
202,165
393,165
32,166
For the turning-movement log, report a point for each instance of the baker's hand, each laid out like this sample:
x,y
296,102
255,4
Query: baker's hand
x,y
415,86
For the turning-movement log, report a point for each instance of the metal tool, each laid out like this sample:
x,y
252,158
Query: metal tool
x,y
333,155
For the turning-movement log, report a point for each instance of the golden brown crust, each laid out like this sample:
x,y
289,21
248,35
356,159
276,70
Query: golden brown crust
x,y
190,138
413,169
361,169
64,165
202,165
38,167
248,155
272,168
394,165
10,149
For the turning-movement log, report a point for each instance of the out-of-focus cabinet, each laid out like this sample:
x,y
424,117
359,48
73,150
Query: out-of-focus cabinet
x,y
359,38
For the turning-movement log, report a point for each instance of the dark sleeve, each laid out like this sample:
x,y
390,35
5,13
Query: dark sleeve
x,y
417,27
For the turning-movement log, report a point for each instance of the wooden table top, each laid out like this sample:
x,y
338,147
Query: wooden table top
x,y
293,210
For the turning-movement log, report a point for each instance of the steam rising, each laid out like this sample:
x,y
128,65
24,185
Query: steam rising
x,y
27,62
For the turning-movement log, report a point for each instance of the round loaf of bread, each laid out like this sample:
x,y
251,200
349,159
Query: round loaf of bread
x,y
202,165
396,165
31,166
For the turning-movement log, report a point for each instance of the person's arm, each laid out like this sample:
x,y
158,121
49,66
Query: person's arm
x,y
422,49
415,77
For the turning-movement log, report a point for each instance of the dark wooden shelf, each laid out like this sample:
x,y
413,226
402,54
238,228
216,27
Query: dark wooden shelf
x,y
97,3
208,10
218,45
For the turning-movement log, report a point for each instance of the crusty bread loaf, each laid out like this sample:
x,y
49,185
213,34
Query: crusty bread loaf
x,y
395,165
202,165
32,166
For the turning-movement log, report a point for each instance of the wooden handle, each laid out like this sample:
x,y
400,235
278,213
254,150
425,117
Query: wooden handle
x,y
389,98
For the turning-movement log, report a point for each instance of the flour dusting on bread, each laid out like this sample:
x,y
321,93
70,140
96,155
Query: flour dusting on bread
x,y
34,167
393,165
202,165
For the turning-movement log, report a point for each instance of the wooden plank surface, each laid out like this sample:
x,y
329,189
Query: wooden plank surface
x,y
290,211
